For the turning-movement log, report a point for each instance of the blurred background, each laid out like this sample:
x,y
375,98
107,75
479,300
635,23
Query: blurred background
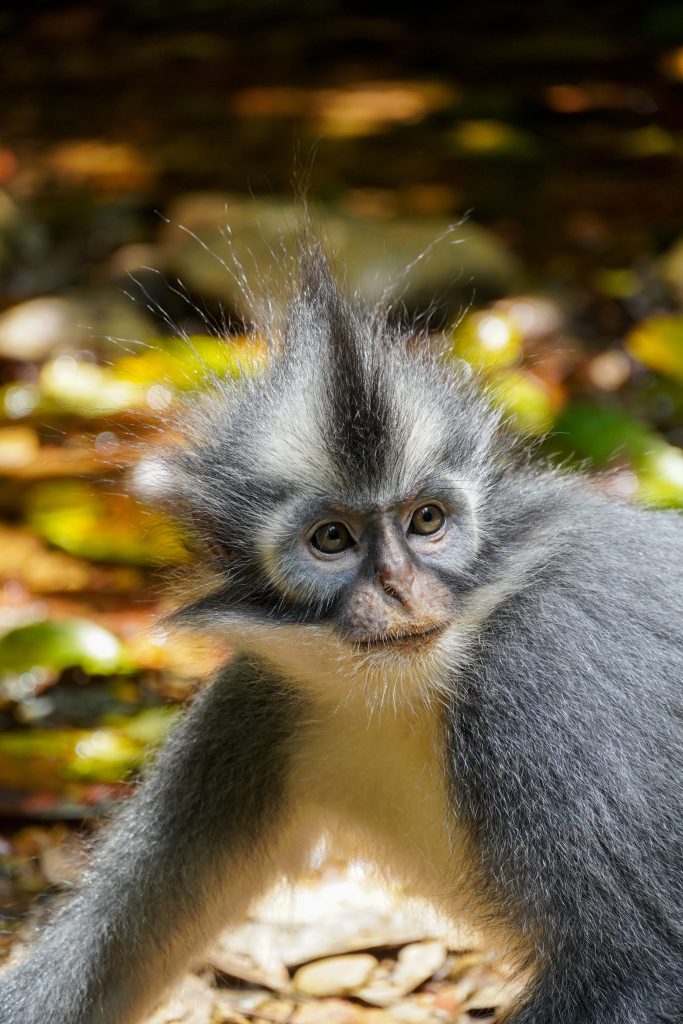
x,y
532,152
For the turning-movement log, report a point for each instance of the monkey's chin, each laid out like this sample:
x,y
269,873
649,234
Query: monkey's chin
x,y
407,642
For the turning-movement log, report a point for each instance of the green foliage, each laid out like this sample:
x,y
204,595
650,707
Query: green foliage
x,y
60,645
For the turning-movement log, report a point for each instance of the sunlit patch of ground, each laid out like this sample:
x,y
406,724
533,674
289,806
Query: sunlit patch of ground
x,y
339,947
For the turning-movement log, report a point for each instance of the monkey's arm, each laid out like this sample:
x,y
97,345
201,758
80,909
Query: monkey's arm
x,y
194,845
566,755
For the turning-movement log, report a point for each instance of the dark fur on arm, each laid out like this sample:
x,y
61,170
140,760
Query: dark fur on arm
x,y
160,881
566,757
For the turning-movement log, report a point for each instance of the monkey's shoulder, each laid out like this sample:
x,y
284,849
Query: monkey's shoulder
x,y
612,575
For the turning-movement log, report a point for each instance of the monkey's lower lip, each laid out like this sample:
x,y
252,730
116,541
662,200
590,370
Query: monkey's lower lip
x,y
410,639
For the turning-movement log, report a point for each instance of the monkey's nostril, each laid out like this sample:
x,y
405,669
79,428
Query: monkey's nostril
x,y
393,591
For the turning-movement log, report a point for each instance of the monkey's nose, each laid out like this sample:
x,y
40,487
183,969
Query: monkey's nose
x,y
397,585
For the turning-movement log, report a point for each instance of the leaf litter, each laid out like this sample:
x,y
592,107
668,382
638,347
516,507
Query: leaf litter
x,y
340,947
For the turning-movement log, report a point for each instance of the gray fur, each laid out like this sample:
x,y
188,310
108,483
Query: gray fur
x,y
559,678
565,740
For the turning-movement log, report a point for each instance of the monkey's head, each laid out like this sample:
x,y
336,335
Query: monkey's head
x,y
344,495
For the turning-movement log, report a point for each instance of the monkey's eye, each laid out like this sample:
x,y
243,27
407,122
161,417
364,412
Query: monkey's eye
x,y
426,520
332,538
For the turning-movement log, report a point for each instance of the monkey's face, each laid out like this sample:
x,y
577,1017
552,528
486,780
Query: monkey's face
x,y
338,545
383,576
393,596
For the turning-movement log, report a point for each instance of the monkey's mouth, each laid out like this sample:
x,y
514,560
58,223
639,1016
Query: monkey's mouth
x,y
401,641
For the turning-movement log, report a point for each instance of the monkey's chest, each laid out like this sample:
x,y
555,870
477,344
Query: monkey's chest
x,y
378,787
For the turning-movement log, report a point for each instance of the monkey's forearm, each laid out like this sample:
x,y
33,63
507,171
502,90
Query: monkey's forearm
x,y
189,851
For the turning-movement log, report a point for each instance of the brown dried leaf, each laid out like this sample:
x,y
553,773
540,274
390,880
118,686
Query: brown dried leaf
x,y
329,1011
415,965
28,561
258,967
338,975
190,1003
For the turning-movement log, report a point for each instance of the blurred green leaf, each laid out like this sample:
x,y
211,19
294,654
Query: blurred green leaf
x,y
618,283
525,400
46,759
102,527
142,381
492,342
60,645
110,753
658,344
188,363
491,138
660,476
598,433
604,436
651,140
486,340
